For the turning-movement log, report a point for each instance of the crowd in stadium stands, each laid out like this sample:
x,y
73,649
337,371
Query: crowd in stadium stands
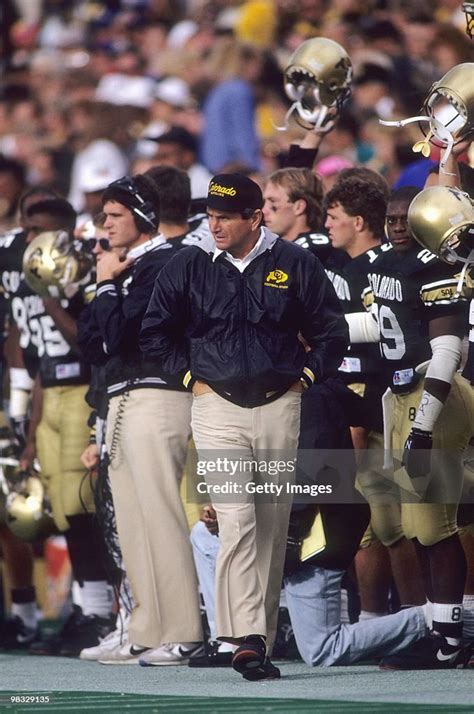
x,y
234,261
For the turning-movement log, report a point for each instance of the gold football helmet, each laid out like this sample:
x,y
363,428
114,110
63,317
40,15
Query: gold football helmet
x,y
8,467
448,109
317,78
26,513
468,9
54,265
442,220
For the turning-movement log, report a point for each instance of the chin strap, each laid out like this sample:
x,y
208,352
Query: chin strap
x,y
438,130
468,262
317,117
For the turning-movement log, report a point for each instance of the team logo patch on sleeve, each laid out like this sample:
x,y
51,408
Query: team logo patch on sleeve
x,y
275,278
443,292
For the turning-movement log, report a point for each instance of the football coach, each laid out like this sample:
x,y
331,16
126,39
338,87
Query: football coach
x,y
229,321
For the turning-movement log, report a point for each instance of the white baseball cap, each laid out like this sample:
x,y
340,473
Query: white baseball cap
x,y
174,91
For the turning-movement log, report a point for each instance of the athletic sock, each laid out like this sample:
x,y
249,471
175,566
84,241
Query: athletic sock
x,y
447,620
24,606
468,623
96,597
428,614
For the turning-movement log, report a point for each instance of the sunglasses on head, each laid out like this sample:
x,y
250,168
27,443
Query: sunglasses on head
x,y
103,243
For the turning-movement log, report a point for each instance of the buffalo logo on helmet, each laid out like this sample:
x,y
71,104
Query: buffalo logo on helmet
x,y
54,265
317,80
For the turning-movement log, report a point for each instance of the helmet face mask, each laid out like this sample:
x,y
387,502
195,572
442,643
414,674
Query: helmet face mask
x,y
468,9
53,264
458,246
26,514
448,110
22,502
317,79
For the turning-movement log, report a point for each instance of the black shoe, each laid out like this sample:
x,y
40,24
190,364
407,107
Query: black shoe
x,y
250,655
431,652
212,657
78,632
15,635
267,670
89,631
49,645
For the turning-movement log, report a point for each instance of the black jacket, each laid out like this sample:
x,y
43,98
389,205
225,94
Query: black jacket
x,y
238,332
108,329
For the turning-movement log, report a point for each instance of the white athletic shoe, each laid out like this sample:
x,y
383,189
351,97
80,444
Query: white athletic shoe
x,y
174,653
114,639
124,654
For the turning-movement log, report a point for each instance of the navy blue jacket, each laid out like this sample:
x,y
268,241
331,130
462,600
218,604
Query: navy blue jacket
x,y
108,329
238,332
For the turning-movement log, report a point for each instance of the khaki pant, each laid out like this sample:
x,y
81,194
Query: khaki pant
x,y
434,518
61,437
147,437
381,493
252,530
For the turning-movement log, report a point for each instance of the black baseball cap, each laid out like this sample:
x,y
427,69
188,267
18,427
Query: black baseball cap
x,y
234,193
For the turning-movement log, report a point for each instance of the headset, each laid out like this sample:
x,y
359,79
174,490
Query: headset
x,y
145,212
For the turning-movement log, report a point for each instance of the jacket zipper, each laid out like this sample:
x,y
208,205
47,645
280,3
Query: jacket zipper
x,y
243,323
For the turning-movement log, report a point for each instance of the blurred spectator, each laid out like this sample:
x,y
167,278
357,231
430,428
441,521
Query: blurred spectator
x,y
450,46
172,97
178,148
12,184
373,89
94,125
229,111
328,169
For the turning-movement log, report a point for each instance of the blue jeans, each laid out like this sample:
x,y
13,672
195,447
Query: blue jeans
x,y
205,548
313,598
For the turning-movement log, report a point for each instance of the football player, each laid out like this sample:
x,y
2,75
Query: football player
x,y
415,319
58,433
293,209
21,629
176,224
356,209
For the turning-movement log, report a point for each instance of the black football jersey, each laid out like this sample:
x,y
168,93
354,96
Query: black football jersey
x,y
320,245
198,232
468,371
407,291
362,362
12,247
43,345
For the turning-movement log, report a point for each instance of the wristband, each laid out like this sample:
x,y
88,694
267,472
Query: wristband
x,y
307,378
20,379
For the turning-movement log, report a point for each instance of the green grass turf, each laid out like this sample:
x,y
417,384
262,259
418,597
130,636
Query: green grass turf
x,y
113,702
